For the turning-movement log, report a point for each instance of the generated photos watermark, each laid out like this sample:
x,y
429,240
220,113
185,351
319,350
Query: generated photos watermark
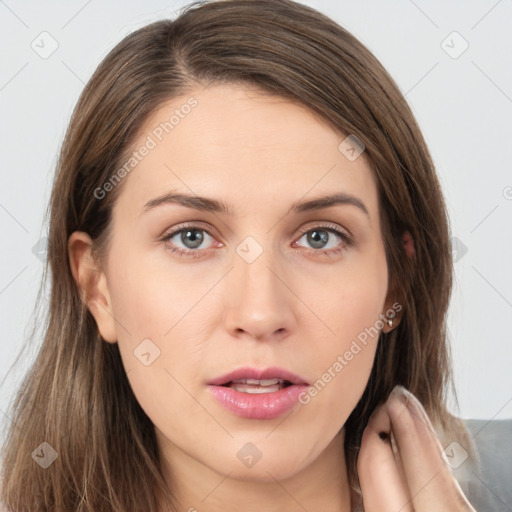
x,y
342,361
152,140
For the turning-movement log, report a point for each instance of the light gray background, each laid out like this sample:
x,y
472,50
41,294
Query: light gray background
x,y
463,105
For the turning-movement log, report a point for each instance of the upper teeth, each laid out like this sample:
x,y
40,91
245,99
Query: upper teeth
x,y
257,386
256,382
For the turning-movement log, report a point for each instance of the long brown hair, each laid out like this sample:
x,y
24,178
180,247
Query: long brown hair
x,y
76,396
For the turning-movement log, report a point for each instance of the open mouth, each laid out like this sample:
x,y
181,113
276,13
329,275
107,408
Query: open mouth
x,y
255,393
255,386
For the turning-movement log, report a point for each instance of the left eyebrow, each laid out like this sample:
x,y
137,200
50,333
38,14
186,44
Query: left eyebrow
x,y
328,201
215,205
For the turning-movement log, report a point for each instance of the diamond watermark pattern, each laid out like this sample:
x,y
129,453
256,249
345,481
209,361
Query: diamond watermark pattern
x,y
351,147
146,352
454,45
45,455
454,455
249,249
44,45
39,250
459,249
249,454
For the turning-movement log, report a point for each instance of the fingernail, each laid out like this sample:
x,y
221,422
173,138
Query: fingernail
x,y
413,403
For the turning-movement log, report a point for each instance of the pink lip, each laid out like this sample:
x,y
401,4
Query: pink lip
x,y
258,406
247,372
264,406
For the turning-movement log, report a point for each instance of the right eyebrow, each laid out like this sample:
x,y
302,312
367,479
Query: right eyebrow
x,y
190,201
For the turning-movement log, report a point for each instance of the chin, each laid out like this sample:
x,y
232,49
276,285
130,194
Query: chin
x,y
273,464
266,472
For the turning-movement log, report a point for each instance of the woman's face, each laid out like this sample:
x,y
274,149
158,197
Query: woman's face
x,y
265,284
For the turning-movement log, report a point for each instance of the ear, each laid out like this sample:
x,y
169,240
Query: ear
x,y
408,244
92,284
408,247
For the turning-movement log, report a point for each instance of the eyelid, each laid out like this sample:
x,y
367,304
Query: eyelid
x,y
191,224
325,225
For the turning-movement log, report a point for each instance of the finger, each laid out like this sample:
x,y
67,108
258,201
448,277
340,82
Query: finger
x,y
429,479
398,459
382,486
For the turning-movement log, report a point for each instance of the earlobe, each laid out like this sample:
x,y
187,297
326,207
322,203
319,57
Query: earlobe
x,y
393,311
391,316
92,284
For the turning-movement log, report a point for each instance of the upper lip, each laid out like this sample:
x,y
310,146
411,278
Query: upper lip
x,y
247,372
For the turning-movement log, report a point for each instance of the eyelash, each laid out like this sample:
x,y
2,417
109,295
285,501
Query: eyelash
x,y
347,241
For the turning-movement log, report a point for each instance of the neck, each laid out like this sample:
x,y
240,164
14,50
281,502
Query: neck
x,y
323,485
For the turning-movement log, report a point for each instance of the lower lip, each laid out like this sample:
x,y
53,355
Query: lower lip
x,y
260,406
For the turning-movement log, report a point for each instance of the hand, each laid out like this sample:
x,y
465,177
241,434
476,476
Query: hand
x,y
405,472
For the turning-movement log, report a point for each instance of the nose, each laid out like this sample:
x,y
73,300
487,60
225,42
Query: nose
x,y
259,303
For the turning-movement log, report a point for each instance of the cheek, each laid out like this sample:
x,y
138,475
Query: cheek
x,y
156,305
151,295
353,311
351,304
348,358
157,344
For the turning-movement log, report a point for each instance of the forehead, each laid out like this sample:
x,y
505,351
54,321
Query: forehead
x,y
246,147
